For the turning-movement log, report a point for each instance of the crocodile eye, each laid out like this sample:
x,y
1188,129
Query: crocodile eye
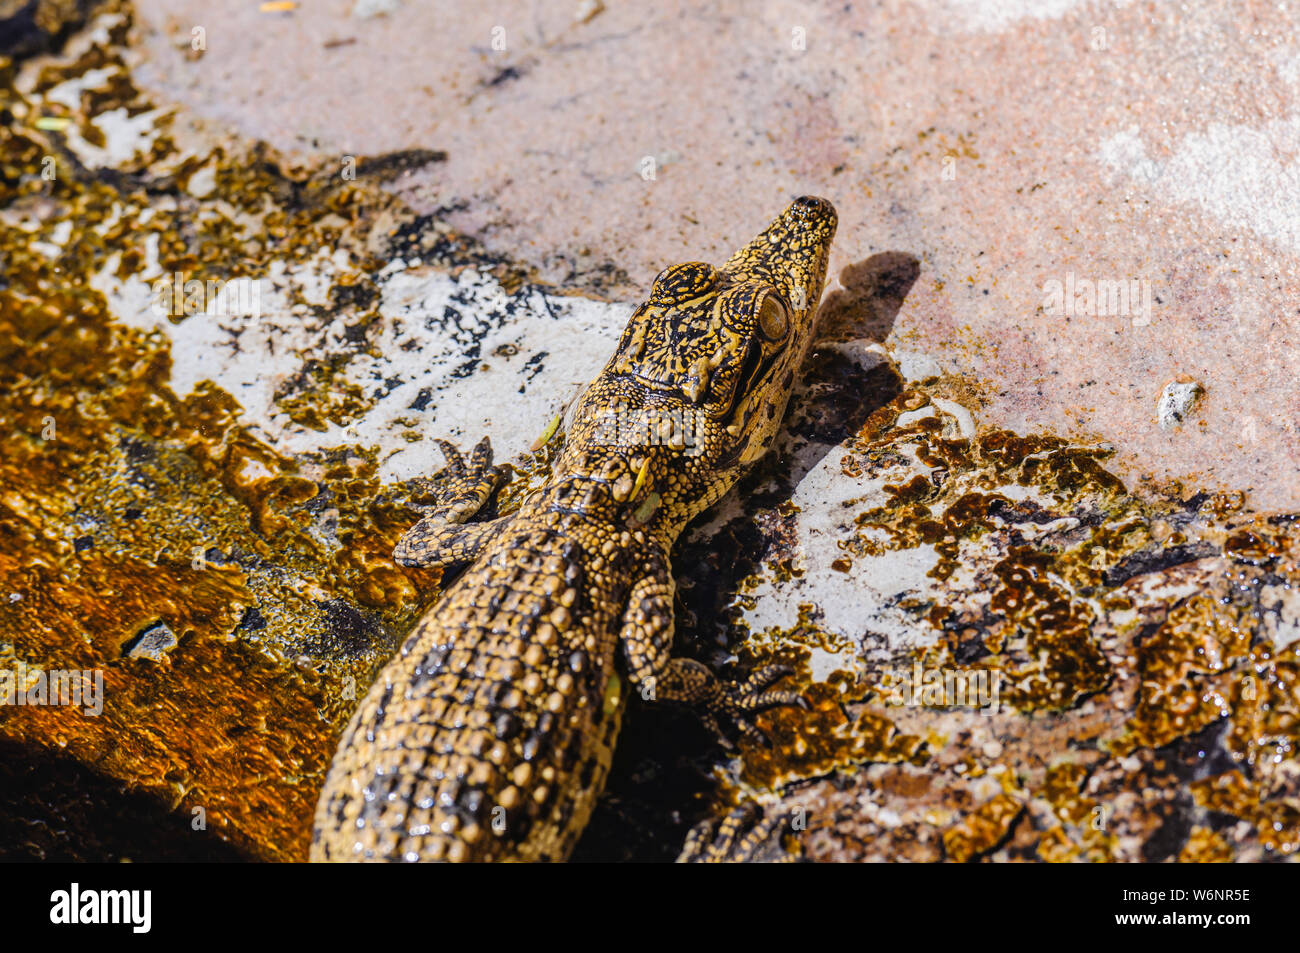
x,y
678,284
773,320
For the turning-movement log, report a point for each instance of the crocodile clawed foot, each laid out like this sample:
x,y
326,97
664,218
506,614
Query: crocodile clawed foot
x,y
734,703
739,703
745,835
463,488
445,535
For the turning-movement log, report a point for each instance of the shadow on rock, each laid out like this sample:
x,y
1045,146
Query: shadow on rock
x,y
56,809
662,780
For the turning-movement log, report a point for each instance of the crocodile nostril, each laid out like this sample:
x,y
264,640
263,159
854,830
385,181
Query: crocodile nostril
x,y
807,206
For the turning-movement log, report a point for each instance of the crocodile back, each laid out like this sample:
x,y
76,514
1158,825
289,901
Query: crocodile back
x,y
489,736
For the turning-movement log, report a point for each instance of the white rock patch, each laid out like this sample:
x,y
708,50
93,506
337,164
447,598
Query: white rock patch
x,y
993,16
455,358
1234,173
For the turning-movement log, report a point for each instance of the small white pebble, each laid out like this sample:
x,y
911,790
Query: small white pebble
x,y
367,9
1176,402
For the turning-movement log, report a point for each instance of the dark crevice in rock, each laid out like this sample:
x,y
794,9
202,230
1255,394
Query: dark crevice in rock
x,y
1156,560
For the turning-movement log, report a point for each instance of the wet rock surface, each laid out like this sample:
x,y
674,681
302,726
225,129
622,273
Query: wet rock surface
x,y
224,365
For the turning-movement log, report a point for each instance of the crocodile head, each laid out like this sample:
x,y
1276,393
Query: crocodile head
x,y
701,377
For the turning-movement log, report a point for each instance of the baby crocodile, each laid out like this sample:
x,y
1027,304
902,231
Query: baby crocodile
x,y
490,734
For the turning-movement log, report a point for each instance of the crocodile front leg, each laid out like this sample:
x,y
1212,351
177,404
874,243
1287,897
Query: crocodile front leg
x,y
646,638
445,536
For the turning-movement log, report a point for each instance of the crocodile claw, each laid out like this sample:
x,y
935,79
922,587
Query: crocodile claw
x,y
463,488
737,703
745,835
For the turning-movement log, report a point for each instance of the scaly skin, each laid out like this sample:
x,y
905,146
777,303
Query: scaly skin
x,y
489,736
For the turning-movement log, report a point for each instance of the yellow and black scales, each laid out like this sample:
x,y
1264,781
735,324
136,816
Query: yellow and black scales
x,y
489,736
